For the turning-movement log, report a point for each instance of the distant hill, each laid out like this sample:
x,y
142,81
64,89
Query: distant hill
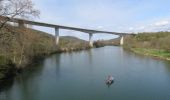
x,y
68,43
111,42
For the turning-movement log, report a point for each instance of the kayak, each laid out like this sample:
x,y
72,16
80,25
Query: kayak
x,y
109,80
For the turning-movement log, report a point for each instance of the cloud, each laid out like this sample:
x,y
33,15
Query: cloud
x,y
109,15
100,27
131,28
161,23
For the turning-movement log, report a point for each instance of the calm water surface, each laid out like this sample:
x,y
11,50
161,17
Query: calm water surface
x,y
81,76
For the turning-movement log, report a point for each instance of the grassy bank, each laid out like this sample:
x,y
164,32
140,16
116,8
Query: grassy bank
x,y
153,52
151,44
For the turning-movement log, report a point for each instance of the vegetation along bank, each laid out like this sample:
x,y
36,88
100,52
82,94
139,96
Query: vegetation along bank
x,y
151,44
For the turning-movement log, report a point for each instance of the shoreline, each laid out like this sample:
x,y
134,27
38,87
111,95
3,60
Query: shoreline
x,y
35,60
15,71
155,53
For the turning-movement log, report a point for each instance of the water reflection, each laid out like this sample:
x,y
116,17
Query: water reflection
x,y
55,62
167,64
22,83
90,59
108,85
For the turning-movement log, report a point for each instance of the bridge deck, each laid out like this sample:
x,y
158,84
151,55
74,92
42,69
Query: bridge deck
x,y
90,31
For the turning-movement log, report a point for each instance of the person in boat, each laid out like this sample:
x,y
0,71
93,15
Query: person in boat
x,y
109,80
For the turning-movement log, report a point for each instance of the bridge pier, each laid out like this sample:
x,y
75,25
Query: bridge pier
x,y
21,24
90,40
121,40
57,37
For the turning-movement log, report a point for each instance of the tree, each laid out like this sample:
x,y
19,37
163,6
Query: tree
x,y
16,8
10,9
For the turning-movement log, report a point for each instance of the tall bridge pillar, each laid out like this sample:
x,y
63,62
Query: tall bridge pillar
x,y
57,35
21,24
121,40
90,40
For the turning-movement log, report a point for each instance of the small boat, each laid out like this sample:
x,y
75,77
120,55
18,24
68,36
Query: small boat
x,y
110,80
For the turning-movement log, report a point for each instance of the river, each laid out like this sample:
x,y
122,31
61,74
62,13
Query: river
x,y
81,76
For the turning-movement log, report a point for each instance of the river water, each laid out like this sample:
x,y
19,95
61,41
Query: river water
x,y
81,76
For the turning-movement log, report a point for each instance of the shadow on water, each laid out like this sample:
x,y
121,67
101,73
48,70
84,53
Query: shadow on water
x,y
6,84
108,85
22,77
31,71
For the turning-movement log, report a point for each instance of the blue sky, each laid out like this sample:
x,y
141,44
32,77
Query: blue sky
x,y
109,15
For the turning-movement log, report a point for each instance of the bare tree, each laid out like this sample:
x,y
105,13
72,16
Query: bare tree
x,y
16,8
12,9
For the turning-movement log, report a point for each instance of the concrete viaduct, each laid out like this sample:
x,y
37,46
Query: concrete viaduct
x,y
21,23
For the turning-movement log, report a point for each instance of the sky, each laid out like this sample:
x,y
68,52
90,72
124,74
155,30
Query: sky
x,y
109,15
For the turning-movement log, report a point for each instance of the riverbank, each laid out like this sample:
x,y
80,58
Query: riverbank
x,y
150,44
161,54
21,47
